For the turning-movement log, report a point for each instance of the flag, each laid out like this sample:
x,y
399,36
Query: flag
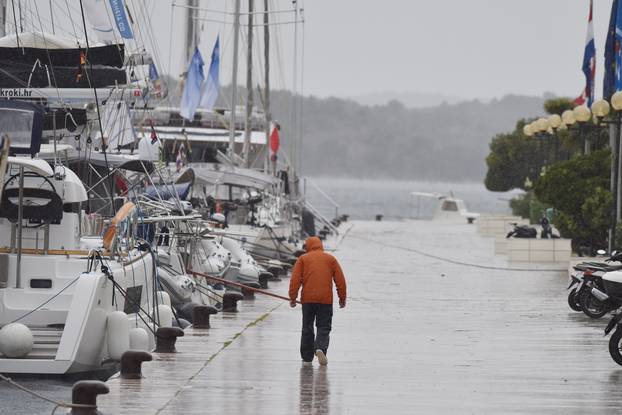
x,y
618,49
274,142
153,72
212,86
154,136
589,63
120,18
192,89
609,81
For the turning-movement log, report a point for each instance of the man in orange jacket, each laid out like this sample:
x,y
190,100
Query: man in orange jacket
x,y
316,271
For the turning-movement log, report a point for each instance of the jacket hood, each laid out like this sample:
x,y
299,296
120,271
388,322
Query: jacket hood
x,y
313,244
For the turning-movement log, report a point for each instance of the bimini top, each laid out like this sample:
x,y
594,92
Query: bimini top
x,y
233,176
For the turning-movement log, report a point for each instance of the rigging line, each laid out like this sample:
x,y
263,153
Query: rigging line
x,y
111,184
302,83
15,21
47,51
73,26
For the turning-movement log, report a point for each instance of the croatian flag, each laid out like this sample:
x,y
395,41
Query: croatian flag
x,y
589,64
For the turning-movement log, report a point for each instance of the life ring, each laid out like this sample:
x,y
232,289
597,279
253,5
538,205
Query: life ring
x,y
122,213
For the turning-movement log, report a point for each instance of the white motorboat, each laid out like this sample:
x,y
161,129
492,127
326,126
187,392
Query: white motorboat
x,y
438,206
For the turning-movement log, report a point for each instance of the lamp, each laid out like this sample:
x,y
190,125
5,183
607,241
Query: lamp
x,y
582,113
601,108
555,121
568,117
616,101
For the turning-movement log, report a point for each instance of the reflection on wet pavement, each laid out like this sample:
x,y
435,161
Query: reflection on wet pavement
x,y
314,390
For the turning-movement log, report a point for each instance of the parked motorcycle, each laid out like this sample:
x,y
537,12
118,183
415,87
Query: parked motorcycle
x,y
597,294
522,231
547,229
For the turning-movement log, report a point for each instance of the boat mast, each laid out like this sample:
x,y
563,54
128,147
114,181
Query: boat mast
x,y
266,101
234,79
2,18
249,86
191,32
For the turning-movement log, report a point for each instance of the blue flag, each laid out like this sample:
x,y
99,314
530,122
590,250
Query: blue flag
x,y
120,18
153,72
212,86
192,89
609,81
617,48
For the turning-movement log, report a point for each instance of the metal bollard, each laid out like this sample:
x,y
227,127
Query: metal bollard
x,y
276,272
248,294
200,316
379,218
230,301
85,392
166,338
131,363
264,277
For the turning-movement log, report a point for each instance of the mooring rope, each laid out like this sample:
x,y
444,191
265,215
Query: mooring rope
x,y
45,398
452,261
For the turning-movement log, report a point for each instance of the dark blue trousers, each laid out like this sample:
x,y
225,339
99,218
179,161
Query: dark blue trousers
x,y
322,316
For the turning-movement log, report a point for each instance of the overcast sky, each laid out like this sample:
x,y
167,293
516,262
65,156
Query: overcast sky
x,y
469,49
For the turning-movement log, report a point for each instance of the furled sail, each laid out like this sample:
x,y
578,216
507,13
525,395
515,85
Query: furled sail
x,y
43,60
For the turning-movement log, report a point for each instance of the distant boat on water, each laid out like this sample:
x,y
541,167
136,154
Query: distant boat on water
x,y
438,206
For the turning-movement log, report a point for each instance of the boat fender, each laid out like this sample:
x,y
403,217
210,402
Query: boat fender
x,y
162,297
16,340
118,334
139,339
166,315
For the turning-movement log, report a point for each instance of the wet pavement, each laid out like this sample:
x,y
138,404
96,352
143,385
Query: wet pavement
x,y
419,335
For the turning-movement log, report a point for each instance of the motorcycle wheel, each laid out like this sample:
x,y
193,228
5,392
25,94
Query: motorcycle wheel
x,y
614,346
592,306
573,300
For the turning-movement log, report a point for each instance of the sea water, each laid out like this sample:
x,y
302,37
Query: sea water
x,y
364,199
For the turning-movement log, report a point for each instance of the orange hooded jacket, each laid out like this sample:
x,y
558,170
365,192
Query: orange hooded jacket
x,y
316,271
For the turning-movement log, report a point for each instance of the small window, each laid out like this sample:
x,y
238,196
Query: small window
x,y
450,206
40,283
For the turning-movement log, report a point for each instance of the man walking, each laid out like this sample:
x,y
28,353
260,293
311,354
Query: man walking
x,y
316,271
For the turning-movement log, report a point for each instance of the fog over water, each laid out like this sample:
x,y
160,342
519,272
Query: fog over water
x,y
363,199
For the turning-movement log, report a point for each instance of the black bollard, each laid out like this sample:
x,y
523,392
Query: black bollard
x,y
166,338
379,218
230,301
276,272
264,277
85,392
200,316
248,294
131,363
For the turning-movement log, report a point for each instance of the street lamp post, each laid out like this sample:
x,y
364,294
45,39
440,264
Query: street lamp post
x,y
582,115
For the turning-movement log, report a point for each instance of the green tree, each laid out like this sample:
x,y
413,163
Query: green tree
x,y
579,191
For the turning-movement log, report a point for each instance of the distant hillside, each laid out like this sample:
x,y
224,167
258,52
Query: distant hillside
x,y
448,142
344,138
409,99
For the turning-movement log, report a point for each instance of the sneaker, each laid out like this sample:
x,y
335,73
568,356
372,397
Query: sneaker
x,y
321,357
307,364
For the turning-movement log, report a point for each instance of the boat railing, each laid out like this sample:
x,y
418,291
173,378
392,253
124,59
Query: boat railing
x,y
323,193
